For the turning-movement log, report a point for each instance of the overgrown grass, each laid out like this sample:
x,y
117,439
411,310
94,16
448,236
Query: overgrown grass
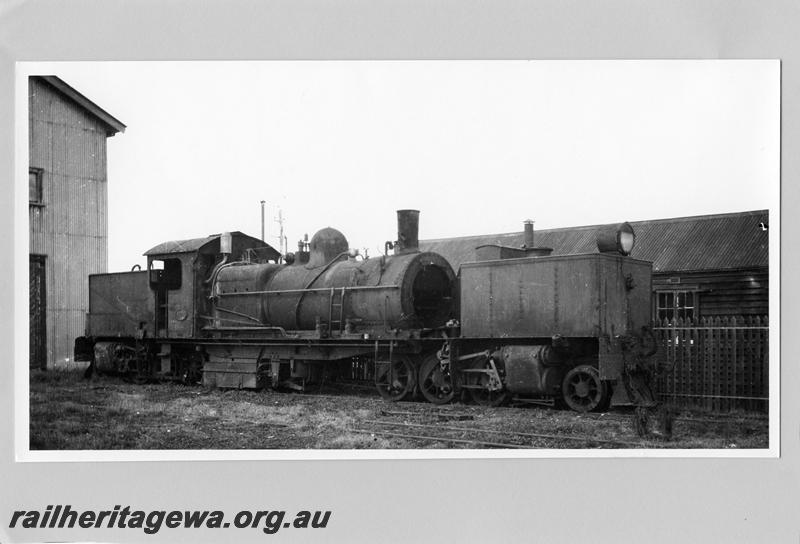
x,y
70,413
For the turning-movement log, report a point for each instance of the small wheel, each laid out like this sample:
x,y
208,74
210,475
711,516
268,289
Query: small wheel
x,y
143,371
193,374
142,374
192,371
583,390
395,380
486,396
436,384
132,370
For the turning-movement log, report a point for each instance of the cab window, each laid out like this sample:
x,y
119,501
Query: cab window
x,y
166,273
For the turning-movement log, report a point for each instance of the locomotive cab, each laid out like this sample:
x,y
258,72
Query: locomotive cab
x,y
142,323
180,275
164,276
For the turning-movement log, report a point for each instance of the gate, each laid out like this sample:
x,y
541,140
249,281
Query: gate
x,y
719,364
38,307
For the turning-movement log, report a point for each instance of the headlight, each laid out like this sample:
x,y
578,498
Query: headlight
x,y
626,239
616,239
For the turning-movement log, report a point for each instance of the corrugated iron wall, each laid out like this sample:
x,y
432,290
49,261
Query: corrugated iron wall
x,y
704,242
71,228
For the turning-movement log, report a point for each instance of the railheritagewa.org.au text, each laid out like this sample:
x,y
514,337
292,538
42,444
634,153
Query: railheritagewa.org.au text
x,y
152,521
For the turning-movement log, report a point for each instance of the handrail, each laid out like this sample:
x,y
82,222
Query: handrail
x,y
315,290
250,317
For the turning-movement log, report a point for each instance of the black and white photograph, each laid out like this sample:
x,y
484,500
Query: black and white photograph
x,y
399,271
438,258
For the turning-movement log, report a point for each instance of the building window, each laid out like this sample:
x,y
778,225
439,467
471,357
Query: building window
x,y
35,195
676,305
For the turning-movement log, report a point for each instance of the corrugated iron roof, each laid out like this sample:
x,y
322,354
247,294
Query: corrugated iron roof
x,y
195,244
703,242
114,125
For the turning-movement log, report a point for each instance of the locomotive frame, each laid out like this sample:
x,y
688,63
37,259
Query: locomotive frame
x,y
517,322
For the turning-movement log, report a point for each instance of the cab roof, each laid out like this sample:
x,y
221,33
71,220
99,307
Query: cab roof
x,y
196,245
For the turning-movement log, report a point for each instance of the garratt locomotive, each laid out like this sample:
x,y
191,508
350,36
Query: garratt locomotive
x,y
516,322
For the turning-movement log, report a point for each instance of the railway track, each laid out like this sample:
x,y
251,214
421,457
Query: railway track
x,y
710,420
433,439
422,423
479,437
425,424
365,388
318,418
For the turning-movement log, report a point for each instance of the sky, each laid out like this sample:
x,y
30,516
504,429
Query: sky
x,y
477,146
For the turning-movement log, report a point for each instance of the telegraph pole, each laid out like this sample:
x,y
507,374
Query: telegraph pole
x,y
281,238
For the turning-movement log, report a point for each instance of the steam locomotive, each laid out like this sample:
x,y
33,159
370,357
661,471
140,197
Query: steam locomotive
x,y
517,322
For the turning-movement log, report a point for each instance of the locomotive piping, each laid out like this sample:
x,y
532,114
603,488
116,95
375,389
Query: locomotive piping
x,y
216,270
227,311
314,290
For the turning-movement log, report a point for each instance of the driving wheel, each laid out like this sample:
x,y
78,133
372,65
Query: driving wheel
x,y
435,382
488,393
395,379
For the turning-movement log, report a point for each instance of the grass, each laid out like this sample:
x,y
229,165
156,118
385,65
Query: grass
x,y
70,413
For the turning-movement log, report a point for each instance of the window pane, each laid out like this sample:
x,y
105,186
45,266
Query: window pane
x,y
34,187
676,305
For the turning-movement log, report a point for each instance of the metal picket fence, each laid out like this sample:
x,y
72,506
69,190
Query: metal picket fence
x,y
719,364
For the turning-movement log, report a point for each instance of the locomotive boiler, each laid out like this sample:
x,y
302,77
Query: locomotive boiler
x,y
516,322
327,289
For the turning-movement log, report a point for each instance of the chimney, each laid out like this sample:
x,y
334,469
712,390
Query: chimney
x,y
528,243
528,247
407,231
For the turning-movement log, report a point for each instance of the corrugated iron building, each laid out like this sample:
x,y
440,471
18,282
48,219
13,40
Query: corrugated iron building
x,y
703,266
68,204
